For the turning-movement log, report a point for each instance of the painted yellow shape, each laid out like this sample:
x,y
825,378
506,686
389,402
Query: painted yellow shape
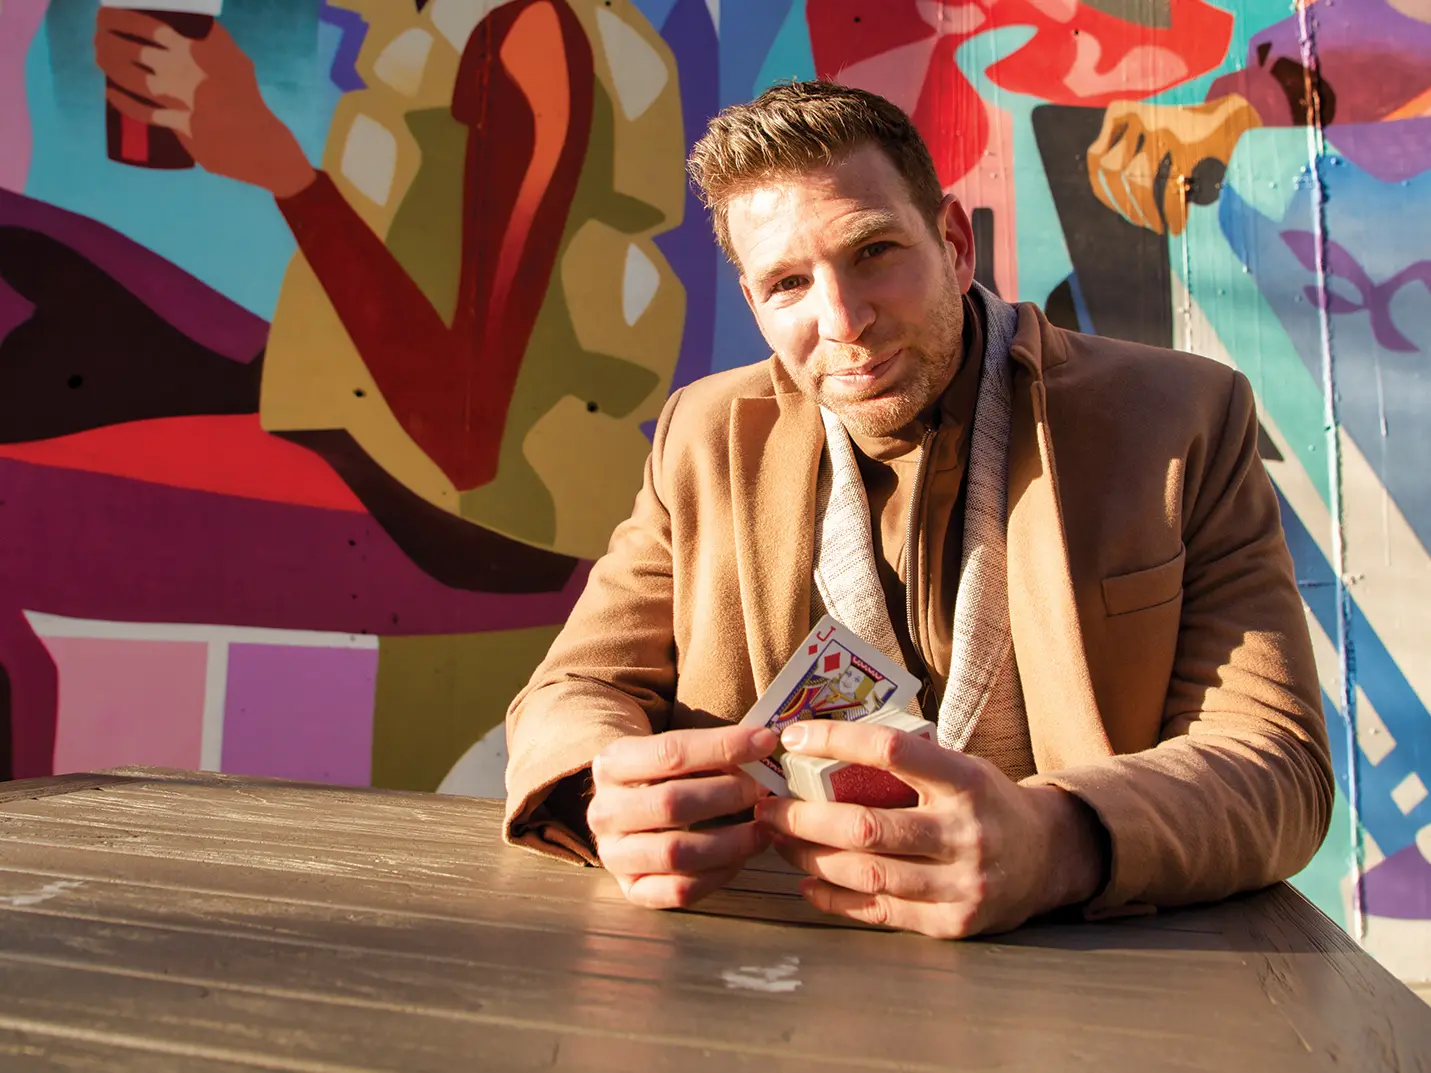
x,y
592,465
609,331
596,269
402,63
436,695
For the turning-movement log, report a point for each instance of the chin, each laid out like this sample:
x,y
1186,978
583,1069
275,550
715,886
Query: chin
x,y
876,417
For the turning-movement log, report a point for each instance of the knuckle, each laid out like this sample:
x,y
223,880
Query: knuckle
x,y
663,805
669,753
872,876
891,747
878,911
866,829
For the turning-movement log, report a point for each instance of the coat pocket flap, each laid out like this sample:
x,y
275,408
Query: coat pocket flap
x,y
1144,588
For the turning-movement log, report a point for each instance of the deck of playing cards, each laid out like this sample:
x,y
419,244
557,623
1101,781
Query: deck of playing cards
x,y
818,778
834,674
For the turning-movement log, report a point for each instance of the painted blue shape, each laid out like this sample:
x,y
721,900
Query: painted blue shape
x,y
353,30
1378,255
751,28
656,11
789,56
690,248
227,234
1379,677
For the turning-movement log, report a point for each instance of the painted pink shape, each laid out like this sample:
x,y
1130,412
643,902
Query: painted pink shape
x,y
128,702
19,20
296,712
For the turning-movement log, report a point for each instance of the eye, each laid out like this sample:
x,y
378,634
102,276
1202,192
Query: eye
x,y
789,283
874,249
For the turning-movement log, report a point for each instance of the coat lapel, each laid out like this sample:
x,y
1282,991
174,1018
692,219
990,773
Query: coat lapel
x,y
775,444
1064,725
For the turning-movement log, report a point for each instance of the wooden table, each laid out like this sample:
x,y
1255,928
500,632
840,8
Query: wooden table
x,y
156,920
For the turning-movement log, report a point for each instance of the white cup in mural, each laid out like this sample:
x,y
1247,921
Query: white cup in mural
x,y
143,144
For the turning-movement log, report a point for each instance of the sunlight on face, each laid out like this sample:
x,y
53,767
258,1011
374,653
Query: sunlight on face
x,y
857,296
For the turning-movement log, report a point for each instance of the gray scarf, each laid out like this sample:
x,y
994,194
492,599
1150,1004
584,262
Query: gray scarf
x,y
982,711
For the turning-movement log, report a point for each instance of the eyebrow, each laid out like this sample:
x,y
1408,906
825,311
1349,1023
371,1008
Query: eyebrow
x,y
864,227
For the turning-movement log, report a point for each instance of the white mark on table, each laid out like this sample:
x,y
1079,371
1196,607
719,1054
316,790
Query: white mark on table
x,y
44,894
769,978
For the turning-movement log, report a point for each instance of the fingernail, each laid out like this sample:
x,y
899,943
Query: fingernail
x,y
762,809
764,739
794,737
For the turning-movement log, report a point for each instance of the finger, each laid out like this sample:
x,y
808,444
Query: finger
x,y
675,803
659,852
885,910
904,832
134,24
923,764
145,112
669,891
638,760
868,873
1139,178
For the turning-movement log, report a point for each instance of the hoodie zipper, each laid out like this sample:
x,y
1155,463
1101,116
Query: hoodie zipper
x,y
911,549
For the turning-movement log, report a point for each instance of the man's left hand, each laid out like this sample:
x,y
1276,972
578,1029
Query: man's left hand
x,y
978,853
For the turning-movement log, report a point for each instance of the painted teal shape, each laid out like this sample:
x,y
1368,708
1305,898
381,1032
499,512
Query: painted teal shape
x,y
225,233
790,56
750,28
1335,861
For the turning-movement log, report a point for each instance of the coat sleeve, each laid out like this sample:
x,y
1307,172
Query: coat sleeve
x,y
1237,794
610,673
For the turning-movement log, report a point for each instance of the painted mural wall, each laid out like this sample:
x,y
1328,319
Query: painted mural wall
x,y
299,477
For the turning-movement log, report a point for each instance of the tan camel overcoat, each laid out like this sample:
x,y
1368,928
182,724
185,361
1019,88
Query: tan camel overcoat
x,y
1161,641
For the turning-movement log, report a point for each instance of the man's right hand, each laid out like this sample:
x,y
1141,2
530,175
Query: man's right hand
x,y
650,791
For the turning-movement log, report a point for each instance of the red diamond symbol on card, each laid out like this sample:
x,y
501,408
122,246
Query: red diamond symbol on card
x,y
832,662
812,650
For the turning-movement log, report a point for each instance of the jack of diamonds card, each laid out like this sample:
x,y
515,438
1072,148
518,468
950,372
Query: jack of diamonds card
x,y
834,674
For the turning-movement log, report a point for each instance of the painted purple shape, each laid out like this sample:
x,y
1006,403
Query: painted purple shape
x,y
1391,152
191,306
344,72
690,249
1400,886
19,19
93,546
300,713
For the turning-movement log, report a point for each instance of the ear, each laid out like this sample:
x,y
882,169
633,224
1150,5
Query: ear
x,y
958,236
749,298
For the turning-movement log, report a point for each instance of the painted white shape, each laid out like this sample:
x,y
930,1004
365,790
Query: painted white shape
x,y
482,769
713,6
1371,854
636,68
47,625
44,894
370,159
216,691
638,284
1402,946
768,978
1409,793
1371,733
402,63
456,19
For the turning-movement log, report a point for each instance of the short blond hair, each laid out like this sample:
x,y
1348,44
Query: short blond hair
x,y
794,127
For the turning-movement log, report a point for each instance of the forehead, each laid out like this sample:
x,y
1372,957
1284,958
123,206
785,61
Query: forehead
x,y
799,214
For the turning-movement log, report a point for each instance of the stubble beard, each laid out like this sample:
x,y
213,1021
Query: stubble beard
x,y
934,365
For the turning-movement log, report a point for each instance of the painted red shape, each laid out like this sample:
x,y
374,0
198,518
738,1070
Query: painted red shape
x,y
525,89
950,113
229,455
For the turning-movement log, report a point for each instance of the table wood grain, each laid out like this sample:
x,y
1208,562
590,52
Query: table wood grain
x,y
168,920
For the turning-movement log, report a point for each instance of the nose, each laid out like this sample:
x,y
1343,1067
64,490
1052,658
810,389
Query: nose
x,y
845,313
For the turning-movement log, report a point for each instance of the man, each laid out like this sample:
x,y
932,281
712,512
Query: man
x,y
1070,540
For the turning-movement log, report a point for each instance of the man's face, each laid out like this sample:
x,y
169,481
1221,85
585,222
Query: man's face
x,y
856,294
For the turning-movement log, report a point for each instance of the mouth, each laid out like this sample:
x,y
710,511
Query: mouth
x,y
863,377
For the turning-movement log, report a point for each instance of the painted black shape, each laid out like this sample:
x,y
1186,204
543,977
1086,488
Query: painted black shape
x,y
1060,308
982,221
1265,447
453,550
89,332
1296,82
1123,272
